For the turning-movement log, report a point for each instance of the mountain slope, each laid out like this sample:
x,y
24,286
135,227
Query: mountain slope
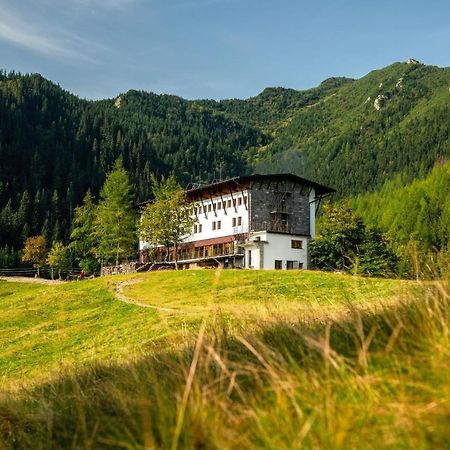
x,y
344,141
55,146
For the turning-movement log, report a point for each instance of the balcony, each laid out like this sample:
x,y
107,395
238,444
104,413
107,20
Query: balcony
x,y
277,226
190,253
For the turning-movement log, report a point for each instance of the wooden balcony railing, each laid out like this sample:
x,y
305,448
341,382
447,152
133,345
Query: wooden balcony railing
x,y
275,227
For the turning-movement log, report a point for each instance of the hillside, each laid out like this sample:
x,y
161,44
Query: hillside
x,y
411,213
55,146
224,360
391,121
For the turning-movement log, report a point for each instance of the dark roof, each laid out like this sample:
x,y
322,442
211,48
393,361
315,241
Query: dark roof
x,y
250,181
246,181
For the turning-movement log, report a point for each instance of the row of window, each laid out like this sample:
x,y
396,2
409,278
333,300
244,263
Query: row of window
x,y
222,205
217,224
290,265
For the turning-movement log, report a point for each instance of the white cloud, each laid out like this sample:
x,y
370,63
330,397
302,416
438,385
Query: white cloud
x,y
93,4
39,39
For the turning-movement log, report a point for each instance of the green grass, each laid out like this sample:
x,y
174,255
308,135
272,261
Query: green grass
x,y
339,362
257,295
45,327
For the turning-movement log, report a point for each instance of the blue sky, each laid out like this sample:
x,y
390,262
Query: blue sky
x,y
215,48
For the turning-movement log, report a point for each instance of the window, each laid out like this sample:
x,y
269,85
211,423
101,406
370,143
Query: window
x,y
224,204
300,265
278,264
219,224
295,243
195,228
245,199
289,265
219,205
234,221
249,258
239,201
214,226
239,221
229,203
200,228
209,207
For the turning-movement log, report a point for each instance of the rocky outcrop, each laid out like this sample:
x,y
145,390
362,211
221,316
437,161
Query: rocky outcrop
x,y
413,61
380,101
118,102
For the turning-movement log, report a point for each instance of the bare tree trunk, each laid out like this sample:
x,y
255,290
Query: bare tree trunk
x,y
175,256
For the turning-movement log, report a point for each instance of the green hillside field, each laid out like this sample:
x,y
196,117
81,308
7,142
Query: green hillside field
x,y
224,359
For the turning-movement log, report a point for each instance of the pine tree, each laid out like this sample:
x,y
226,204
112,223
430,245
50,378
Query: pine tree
x,y
115,221
83,242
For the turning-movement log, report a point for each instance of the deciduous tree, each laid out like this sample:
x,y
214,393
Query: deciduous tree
x,y
35,252
169,217
58,258
344,243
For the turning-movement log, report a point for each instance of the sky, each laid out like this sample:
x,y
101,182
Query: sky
x,y
215,48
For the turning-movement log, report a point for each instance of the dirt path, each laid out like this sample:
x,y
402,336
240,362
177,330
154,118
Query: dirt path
x,y
31,280
123,298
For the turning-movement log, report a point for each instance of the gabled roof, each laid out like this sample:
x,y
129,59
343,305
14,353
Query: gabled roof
x,y
256,181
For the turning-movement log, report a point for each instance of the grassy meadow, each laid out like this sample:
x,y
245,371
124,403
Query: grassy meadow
x,y
225,360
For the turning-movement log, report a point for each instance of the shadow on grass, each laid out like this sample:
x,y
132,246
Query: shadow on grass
x,y
365,381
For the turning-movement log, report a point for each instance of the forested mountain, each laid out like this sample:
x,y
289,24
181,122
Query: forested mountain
x,y
394,120
54,147
351,134
412,214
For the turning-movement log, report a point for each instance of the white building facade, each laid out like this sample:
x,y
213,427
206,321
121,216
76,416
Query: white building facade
x,y
252,222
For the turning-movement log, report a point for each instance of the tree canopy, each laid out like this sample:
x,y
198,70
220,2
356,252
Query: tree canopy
x,y
344,243
169,217
35,251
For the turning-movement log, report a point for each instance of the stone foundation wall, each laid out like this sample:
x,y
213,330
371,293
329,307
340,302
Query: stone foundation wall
x,y
120,269
134,267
